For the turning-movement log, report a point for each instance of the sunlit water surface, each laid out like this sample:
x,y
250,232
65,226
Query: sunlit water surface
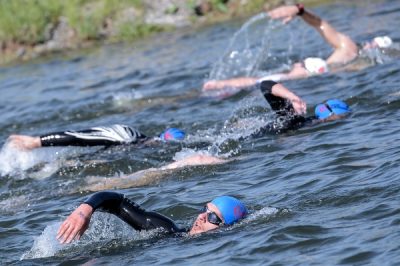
x,y
319,196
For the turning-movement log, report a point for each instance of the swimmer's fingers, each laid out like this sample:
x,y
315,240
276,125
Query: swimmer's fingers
x,y
65,231
70,234
299,106
80,232
69,228
24,142
212,85
61,231
76,232
14,142
76,224
286,13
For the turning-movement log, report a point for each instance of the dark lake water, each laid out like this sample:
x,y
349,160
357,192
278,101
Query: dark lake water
x,y
324,195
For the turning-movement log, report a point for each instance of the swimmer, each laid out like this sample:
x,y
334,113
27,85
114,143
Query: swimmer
x,y
151,175
222,211
96,136
345,50
290,109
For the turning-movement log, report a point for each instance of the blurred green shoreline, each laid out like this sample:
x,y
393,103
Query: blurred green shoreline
x,y
31,28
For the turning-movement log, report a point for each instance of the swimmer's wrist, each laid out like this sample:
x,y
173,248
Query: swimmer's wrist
x,y
37,142
85,210
300,7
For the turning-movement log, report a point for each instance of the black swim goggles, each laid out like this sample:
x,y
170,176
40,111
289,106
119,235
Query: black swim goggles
x,y
329,109
212,217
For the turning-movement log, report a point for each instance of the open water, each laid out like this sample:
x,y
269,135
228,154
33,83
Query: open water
x,y
326,195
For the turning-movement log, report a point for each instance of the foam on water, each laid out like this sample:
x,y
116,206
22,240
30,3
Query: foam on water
x,y
15,162
45,245
188,152
246,120
13,204
126,98
382,56
264,213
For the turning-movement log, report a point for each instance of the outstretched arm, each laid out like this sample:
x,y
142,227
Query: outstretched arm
x,y
78,221
115,203
148,176
248,82
237,83
112,135
344,47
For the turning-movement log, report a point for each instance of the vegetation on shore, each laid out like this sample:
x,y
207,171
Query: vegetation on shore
x,y
30,21
29,28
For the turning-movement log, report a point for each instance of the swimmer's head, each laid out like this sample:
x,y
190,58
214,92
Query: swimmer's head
x,y
315,65
330,108
172,134
231,209
379,42
224,210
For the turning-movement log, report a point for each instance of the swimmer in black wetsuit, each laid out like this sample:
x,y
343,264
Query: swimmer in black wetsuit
x,y
223,210
96,136
289,109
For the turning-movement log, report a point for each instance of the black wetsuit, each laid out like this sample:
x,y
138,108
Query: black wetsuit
x,y
286,117
112,135
131,213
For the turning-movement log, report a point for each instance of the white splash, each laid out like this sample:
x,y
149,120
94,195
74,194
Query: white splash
x,y
15,162
103,228
46,245
264,213
247,49
13,204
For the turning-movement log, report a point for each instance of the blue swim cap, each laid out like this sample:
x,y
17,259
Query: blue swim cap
x,y
231,208
337,107
171,134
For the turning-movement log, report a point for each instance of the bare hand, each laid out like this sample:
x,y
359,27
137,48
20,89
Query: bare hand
x,y
300,107
195,159
24,142
286,13
75,225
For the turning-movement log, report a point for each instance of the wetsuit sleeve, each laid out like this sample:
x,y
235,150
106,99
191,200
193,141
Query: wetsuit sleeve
x,y
113,135
279,105
286,117
130,212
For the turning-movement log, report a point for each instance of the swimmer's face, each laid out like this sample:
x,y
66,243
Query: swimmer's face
x,y
202,224
333,117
